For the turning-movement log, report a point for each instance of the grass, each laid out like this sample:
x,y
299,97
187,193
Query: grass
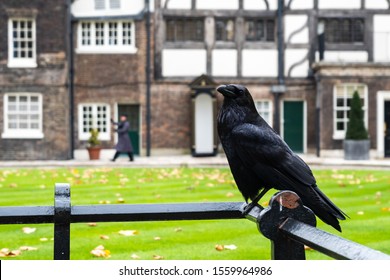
x,y
363,194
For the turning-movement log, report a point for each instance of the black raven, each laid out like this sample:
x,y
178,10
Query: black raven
x,y
260,159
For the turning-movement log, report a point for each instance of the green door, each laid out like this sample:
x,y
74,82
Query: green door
x,y
293,128
132,111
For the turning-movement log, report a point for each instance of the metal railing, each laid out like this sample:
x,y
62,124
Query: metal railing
x,y
286,222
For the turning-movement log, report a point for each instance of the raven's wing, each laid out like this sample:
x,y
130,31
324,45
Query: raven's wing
x,y
264,152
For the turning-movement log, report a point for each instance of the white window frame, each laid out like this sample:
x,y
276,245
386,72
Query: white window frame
x,y
338,134
19,133
21,62
270,110
103,136
108,4
106,47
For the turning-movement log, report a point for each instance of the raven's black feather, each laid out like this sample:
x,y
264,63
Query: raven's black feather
x,y
260,159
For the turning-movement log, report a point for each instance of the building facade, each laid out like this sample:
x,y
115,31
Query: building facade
x,y
34,101
64,72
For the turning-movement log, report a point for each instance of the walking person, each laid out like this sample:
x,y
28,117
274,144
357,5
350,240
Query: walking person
x,y
124,143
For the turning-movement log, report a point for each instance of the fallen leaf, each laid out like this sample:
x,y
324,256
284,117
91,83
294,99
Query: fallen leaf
x,y
219,247
28,248
157,238
360,213
28,230
308,248
128,232
230,247
120,200
178,229
386,209
43,239
5,252
230,194
157,257
100,252
92,224
104,237
13,185
265,203
134,257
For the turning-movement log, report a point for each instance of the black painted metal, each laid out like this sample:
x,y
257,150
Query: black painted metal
x,y
285,221
283,205
62,214
329,244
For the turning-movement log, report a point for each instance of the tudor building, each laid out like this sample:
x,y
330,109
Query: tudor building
x,y
64,71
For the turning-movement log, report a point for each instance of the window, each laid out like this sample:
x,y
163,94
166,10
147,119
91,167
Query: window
x,y
107,37
342,100
344,30
260,30
94,116
264,107
21,46
184,29
102,4
224,30
22,115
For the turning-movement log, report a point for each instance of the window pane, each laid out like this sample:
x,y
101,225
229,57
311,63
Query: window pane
x,y
100,4
99,33
112,33
224,29
115,4
22,38
344,30
184,30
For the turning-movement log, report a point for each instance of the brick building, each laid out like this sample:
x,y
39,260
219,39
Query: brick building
x,y
34,101
301,63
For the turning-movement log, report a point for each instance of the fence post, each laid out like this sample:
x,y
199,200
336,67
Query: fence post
x,y
62,211
283,205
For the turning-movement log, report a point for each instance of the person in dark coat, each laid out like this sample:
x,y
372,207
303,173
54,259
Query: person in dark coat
x,y
124,143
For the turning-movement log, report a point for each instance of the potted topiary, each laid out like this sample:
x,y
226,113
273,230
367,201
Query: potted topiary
x,y
357,142
93,144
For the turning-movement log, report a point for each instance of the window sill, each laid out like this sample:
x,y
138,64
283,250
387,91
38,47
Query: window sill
x,y
107,50
102,137
338,136
22,135
22,64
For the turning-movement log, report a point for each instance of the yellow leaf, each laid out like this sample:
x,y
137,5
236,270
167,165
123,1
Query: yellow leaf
x,y
28,248
178,229
128,232
92,224
43,239
230,194
157,238
28,230
120,200
230,247
134,257
100,252
360,213
104,237
157,257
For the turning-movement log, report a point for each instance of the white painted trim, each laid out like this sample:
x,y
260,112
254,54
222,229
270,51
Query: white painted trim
x,y
382,96
304,120
83,136
338,135
22,133
21,62
271,109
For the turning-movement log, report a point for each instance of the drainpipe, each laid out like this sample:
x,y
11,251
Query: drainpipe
x,y
148,70
279,89
321,51
70,81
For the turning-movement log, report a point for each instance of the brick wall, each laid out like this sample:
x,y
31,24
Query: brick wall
x,y
49,79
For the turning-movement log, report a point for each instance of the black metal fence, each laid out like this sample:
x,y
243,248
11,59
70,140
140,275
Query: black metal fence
x,y
286,222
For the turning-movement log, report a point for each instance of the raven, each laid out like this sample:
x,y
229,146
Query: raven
x,y
260,159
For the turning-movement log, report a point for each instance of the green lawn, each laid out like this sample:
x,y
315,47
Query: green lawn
x,y
363,194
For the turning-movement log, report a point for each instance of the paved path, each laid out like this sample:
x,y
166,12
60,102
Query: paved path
x,y
187,160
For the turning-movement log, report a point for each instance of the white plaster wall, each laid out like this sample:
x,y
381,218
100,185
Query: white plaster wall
x,y
204,124
183,62
217,4
86,8
302,4
344,56
293,56
259,63
340,4
260,5
381,38
377,4
293,23
178,4
224,63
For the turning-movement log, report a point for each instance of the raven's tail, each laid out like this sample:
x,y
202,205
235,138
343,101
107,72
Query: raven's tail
x,y
326,210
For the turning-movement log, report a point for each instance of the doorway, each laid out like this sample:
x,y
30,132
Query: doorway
x,y
133,117
293,125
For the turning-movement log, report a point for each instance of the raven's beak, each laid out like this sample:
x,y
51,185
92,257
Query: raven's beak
x,y
226,91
